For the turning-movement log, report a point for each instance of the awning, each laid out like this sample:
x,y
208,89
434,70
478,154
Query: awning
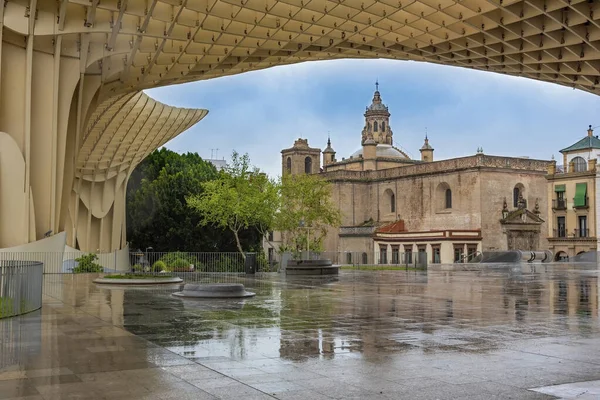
x,y
580,194
559,188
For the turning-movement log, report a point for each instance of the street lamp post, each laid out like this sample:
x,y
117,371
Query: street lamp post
x,y
147,257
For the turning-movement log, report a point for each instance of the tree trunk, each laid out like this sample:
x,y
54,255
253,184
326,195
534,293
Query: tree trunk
x,y
239,246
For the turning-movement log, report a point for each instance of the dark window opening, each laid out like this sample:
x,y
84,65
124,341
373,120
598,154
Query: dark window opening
x,y
448,198
436,255
395,254
383,253
308,165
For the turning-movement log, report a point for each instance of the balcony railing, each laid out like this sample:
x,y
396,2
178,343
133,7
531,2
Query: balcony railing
x,y
559,204
581,233
559,233
574,234
586,203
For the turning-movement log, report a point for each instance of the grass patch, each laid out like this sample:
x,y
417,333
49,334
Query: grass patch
x,y
138,276
6,307
380,268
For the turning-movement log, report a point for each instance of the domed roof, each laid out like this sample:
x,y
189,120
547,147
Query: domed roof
x,y
383,150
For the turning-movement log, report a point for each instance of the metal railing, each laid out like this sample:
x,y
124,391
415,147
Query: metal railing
x,y
376,260
466,258
196,262
559,204
20,287
581,233
58,262
559,233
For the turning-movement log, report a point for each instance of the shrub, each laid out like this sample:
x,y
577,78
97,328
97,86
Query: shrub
x,y
180,265
179,259
137,268
159,266
87,264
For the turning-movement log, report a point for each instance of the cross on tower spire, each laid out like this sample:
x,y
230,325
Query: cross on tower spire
x,y
377,85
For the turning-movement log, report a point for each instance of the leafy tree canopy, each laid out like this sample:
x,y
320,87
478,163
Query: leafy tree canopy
x,y
242,197
306,210
157,211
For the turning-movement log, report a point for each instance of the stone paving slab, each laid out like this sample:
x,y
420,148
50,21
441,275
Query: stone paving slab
x,y
385,335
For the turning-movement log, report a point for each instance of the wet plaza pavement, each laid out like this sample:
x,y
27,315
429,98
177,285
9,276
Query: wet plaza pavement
x,y
491,333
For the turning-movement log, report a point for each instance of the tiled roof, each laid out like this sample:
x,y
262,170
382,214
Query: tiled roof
x,y
394,227
588,142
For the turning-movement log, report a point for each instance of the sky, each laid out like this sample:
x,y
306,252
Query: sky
x,y
263,112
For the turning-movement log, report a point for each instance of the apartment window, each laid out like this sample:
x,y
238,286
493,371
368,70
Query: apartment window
x,y
395,254
271,236
583,232
383,253
561,227
458,253
436,255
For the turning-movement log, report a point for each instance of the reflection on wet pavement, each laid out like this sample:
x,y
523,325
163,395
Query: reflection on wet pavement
x,y
488,333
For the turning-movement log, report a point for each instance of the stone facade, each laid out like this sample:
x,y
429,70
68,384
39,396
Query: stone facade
x,y
300,159
448,209
479,186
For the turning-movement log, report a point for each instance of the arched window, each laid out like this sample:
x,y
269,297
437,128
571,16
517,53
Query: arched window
x,y
368,126
308,165
518,193
374,126
383,126
389,201
443,197
579,164
288,165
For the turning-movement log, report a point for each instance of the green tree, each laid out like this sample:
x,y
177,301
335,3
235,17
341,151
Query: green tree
x,y
306,211
241,198
157,212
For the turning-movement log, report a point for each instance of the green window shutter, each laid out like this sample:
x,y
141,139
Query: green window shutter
x,y
560,188
580,194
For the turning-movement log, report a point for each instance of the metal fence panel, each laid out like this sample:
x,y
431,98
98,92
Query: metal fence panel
x,y
20,287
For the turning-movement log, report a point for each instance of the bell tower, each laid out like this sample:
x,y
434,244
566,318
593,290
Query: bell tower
x,y
300,159
377,121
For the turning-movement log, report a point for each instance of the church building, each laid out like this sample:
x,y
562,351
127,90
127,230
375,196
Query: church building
x,y
396,210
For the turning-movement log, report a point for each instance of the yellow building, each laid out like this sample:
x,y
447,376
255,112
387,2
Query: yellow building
x,y
572,191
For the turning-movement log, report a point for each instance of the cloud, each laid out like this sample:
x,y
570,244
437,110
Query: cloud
x,y
262,112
